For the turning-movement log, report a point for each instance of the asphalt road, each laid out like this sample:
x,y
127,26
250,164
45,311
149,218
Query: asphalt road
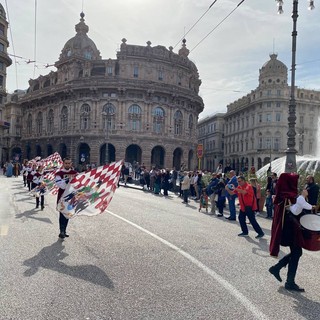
x,y
148,257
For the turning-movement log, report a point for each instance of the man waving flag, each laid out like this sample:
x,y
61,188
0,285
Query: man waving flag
x,y
89,193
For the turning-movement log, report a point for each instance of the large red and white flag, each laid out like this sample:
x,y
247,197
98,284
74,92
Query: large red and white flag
x,y
52,162
89,193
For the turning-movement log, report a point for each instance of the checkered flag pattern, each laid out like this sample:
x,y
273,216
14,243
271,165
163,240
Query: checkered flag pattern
x,y
89,193
49,180
51,162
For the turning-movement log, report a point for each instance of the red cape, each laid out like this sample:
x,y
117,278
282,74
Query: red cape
x,y
286,190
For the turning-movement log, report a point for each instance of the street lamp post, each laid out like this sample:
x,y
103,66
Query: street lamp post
x,y
291,165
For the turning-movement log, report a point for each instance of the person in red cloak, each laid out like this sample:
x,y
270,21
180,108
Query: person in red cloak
x,y
285,229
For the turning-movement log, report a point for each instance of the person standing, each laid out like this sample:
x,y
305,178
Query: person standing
x,y
62,178
221,196
313,192
212,192
185,186
288,234
257,192
231,184
269,204
248,205
9,170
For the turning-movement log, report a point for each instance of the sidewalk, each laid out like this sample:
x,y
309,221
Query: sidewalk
x,y
137,186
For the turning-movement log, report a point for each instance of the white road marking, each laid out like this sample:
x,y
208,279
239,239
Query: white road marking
x,y
232,290
4,230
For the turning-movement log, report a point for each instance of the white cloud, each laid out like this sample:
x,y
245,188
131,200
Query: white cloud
x,y
228,60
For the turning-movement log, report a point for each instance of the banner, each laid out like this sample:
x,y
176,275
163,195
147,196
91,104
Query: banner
x,y
90,192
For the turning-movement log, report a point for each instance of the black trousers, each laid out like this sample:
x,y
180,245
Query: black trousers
x,y
40,200
63,223
292,260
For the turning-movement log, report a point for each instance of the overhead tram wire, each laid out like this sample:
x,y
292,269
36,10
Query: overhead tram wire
x,y
196,23
12,45
225,18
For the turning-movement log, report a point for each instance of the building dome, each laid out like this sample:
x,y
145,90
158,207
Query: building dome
x,y
273,72
80,46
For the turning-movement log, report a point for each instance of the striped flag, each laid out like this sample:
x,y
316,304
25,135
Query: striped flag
x,y
89,193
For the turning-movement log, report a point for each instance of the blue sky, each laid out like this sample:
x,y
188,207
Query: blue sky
x,y
228,60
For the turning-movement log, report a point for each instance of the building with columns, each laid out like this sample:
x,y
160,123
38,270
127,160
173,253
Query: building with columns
x,y
142,106
256,125
5,62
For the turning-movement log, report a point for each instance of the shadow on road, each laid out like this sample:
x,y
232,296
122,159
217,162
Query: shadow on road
x,y
30,215
50,258
307,308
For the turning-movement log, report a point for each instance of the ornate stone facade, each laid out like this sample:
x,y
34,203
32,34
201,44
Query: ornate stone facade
x,y
5,62
256,126
144,104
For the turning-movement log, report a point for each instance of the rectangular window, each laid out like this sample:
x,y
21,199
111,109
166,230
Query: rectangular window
x,y
268,104
136,72
278,104
109,71
160,75
269,93
301,119
1,47
269,117
260,117
1,30
278,117
268,143
276,144
278,93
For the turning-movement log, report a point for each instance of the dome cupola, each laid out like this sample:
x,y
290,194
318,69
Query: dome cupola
x,y
80,46
273,72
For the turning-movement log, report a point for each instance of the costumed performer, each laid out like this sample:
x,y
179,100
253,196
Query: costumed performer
x,y
285,227
62,178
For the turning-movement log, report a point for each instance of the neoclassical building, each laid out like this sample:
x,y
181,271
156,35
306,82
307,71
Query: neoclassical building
x,y
5,62
142,106
256,125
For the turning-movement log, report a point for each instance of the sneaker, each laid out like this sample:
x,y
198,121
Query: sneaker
x,y
220,215
243,234
260,235
293,287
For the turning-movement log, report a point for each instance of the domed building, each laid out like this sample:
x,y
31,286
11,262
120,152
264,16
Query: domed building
x,y
142,106
254,129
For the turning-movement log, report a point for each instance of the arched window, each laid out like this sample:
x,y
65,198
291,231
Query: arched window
x,y
50,120
158,120
108,116
84,117
39,123
190,124
29,124
64,119
134,117
178,122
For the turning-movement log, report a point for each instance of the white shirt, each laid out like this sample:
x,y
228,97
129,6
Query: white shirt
x,y
301,204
